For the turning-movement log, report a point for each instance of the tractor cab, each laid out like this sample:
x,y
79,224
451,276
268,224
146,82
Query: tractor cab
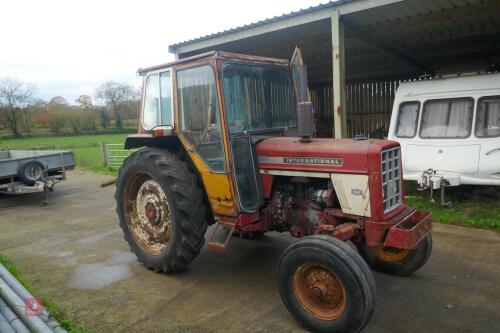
x,y
227,140
225,104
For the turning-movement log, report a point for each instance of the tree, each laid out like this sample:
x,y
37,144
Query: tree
x,y
84,102
104,119
58,103
88,120
27,114
41,115
15,97
115,96
56,121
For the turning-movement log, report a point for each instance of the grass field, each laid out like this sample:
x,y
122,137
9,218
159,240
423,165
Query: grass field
x,y
86,148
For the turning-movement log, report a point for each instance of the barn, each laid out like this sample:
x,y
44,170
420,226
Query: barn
x,y
359,51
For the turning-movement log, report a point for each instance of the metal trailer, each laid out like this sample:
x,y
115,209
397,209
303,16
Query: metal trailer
x,y
31,171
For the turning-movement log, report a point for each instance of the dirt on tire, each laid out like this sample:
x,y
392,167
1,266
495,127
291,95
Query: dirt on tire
x,y
185,198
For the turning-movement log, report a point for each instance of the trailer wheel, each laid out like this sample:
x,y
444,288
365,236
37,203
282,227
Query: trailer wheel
x,y
326,285
30,172
397,261
161,209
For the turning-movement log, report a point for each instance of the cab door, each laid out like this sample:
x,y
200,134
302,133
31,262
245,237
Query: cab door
x,y
201,133
242,94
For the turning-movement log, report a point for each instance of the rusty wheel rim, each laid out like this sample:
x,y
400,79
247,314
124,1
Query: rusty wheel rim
x,y
392,255
319,291
148,214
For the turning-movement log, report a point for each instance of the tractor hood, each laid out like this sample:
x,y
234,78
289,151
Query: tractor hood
x,y
320,155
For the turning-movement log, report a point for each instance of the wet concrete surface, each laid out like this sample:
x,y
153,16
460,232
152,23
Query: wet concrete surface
x,y
73,251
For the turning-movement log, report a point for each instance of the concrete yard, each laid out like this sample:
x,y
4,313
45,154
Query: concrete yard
x,y
72,251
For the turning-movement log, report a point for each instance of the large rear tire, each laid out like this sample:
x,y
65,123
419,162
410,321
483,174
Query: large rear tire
x,y
161,208
326,285
397,261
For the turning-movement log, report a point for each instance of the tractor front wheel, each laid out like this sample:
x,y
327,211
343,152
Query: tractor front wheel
x,y
397,261
326,285
161,209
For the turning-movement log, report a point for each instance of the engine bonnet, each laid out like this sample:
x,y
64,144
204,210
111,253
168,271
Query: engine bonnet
x,y
324,155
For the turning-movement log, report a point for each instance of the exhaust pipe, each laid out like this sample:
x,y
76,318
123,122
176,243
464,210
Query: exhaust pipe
x,y
304,108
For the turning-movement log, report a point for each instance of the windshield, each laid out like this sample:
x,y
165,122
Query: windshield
x,y
258,97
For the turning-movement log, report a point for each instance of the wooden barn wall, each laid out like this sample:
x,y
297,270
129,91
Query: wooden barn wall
x,y
368,107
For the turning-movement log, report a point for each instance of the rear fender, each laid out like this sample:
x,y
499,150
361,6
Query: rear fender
x,y
148,140
173,144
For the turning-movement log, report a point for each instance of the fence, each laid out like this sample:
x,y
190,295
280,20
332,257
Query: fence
x,y
368,107
113,154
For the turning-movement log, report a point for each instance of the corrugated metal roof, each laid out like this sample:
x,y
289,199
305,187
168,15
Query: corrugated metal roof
x,y
262,22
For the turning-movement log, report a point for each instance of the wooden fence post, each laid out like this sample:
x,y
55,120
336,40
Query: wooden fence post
x,y
104,155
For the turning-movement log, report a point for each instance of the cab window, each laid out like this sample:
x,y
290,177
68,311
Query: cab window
x,y
447,118
406,126
157,109
151,114
166,98
488,117
199,112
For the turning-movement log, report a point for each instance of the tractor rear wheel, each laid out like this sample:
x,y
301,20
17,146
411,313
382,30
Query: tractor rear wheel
x,y
326,285
397,261
161,209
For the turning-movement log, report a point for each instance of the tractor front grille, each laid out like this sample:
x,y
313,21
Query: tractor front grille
x,y
391,179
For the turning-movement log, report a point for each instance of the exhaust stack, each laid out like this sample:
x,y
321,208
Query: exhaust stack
x,y
304,108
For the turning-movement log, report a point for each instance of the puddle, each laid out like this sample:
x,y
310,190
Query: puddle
x,y
90,240
65,254
121,258
98,276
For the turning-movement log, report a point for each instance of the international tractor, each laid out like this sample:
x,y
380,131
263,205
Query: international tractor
x,y
226,140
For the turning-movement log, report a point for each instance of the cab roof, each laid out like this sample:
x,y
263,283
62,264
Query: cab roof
x,y
216,55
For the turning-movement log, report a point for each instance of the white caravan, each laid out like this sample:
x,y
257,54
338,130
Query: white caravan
x,y
449,130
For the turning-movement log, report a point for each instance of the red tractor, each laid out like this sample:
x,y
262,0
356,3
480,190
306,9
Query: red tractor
x,y
228,141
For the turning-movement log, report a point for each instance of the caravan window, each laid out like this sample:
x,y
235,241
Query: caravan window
x,y
447,118
406,126
488,117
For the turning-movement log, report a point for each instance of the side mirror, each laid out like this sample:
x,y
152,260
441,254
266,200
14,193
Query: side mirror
x,y
304,108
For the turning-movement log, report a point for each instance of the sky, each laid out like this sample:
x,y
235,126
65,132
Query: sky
x,y
68,48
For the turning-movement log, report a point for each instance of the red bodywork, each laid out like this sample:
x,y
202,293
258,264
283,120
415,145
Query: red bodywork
x,y
403,227
358,157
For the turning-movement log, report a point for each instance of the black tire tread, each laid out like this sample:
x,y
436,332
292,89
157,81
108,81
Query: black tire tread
x,y
190,208
354,262
22,167
409,265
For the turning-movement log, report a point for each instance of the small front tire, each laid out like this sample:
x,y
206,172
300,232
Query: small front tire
x,y
326,285
397,261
